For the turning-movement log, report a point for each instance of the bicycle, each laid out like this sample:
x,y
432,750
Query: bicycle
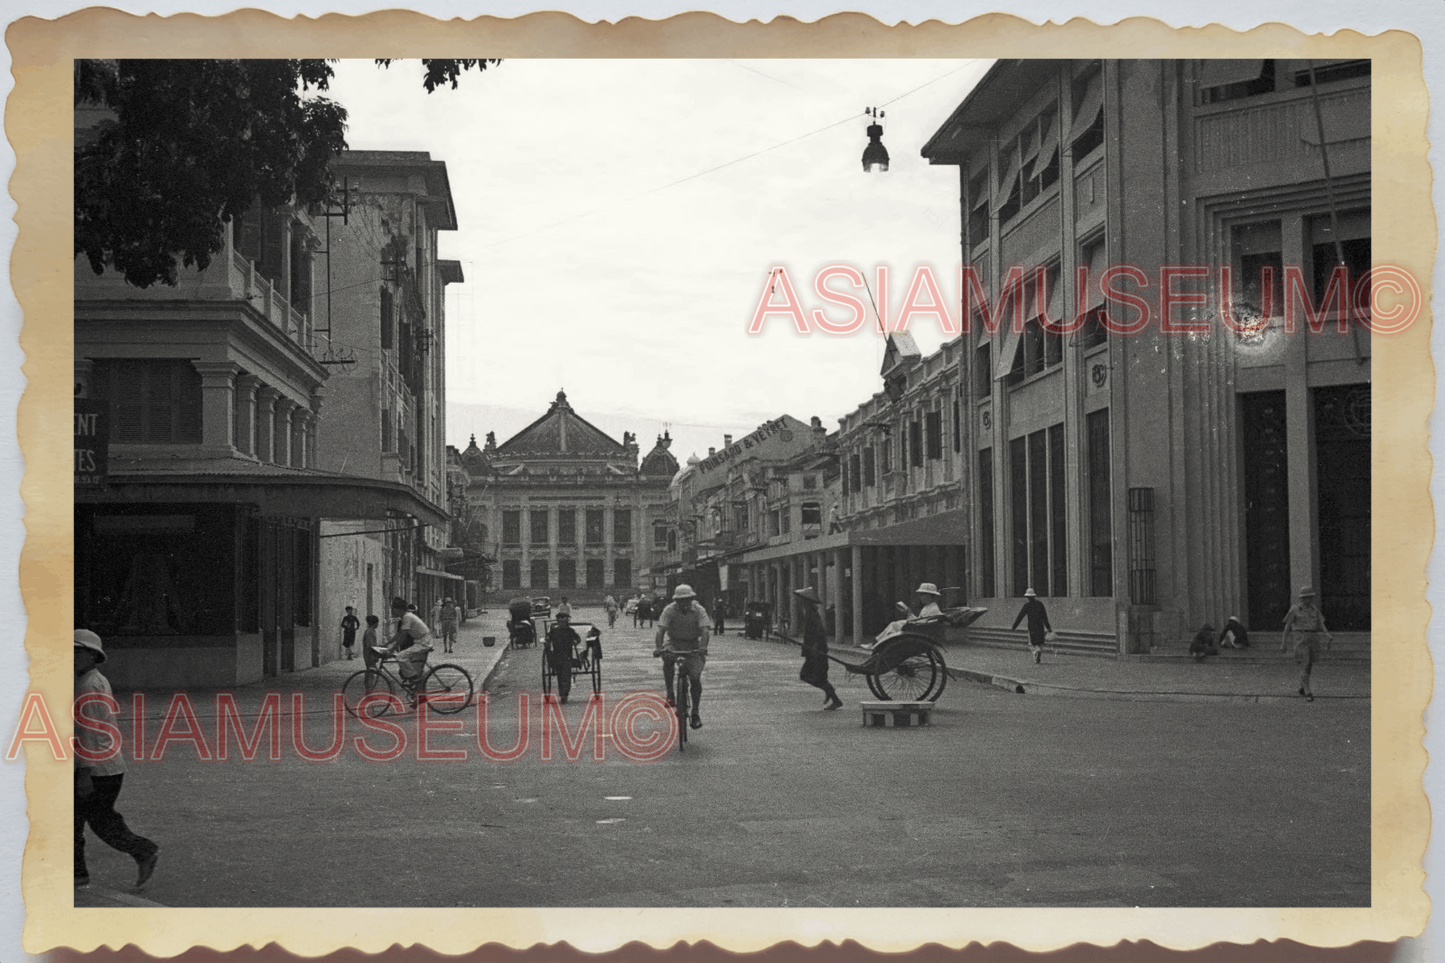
x,y
439,686
682,684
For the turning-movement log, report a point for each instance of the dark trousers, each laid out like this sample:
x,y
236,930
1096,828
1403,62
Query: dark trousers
x,y
98,811
815,672
562,667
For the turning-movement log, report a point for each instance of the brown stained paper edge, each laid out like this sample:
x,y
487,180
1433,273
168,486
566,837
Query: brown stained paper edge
x,y
37,124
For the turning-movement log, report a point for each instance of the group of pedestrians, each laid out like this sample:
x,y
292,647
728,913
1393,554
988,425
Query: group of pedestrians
x,y
445,615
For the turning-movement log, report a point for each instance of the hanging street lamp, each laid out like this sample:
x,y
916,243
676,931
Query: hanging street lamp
x,y
875,155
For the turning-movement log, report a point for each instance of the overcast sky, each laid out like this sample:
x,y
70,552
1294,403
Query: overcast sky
x,y
590,268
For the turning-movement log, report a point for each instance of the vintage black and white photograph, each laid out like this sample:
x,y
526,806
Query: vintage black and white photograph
x,y
723,483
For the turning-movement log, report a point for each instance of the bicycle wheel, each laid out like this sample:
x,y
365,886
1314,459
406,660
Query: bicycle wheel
x,y
919,677
443,685
682,696
361,684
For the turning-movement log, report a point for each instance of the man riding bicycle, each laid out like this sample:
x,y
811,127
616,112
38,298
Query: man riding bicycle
x,y
411,644
684,624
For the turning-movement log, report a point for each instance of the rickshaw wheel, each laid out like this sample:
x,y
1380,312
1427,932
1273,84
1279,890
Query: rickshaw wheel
x,y
596,674
919,678
546,672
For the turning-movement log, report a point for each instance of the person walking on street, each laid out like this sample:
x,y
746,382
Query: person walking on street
x,y
683,625
719,613
1305,624
1038,627
815,648
99,769
565,608
609,604
447,624
368,641
349,624
562,640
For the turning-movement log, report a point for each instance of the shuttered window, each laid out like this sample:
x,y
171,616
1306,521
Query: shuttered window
x,y
152,402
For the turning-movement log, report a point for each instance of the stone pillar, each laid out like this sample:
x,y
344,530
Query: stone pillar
x,y
300,433
281,434
1299,406
318,398
855,581
244,404
840,598
218,380
266,398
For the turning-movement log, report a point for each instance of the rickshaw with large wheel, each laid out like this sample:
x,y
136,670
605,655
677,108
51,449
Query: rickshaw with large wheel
x,y
908,666
584,659
521,631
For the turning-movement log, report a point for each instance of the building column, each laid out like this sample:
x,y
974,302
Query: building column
x,y
840,597
266,398
83,369
1299,407
281,435
318,398
218,379
300,434
244,404
855,582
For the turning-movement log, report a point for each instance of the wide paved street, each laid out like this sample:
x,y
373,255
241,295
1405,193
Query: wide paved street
x,y
1007,800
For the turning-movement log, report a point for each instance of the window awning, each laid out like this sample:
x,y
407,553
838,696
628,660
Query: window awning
x,y
1047,150
1222,73
1098,264
1005,186
1005,361
282,493
1089,109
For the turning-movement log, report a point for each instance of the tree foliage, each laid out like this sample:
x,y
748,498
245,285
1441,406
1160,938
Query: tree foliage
x,y
436,73
186,146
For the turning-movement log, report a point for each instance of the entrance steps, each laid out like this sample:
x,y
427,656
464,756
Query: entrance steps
x,y
1097,644
1351,647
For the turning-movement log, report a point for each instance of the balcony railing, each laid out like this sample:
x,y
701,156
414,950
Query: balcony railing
x,y
263,296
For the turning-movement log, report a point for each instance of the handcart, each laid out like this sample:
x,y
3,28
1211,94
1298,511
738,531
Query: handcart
x,y
585,658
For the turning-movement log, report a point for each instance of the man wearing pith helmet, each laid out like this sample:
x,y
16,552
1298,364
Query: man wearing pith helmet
x,y
684,625
1305,624
928,600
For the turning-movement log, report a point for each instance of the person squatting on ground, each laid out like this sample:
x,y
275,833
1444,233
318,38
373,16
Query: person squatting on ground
x,y
1204,643
1234,635
447,624
349,624
815,648
98,776
1305,623
412,643
561,642
1038,627
683,623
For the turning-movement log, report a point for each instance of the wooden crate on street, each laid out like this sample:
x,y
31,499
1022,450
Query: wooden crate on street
x,y
899,715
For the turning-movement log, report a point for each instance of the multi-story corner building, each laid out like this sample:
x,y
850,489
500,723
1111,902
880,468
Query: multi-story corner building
x,y
386,319
903,505
567,510
736,500
1146,482
198,517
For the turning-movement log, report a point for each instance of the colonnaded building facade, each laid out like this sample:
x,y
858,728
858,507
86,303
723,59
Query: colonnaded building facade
x,y
1144,483
568,510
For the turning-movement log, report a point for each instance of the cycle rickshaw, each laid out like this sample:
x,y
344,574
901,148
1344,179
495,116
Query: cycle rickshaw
x,y
584,659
